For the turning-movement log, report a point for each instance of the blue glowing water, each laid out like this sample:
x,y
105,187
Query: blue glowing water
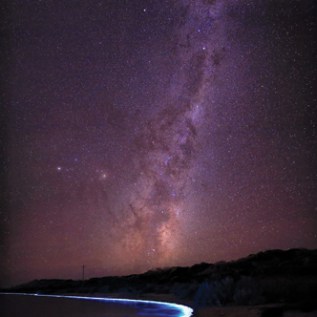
x,y
112,307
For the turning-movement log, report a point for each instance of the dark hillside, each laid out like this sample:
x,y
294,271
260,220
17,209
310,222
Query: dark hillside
x,y
273,276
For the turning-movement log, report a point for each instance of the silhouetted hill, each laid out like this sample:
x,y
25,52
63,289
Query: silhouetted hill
x,y
273,276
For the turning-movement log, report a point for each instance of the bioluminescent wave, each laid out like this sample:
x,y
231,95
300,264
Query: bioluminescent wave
x,y
145,307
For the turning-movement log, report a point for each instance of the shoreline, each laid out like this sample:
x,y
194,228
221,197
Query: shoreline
x,y
269,310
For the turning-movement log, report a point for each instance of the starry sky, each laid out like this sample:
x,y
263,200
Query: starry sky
x,y
139,134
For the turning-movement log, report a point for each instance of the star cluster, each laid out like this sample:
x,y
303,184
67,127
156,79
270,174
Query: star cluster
x,y
143,134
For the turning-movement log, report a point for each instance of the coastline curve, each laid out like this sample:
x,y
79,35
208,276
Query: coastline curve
x,y
180,310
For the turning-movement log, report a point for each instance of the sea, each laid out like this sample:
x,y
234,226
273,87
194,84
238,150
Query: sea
x,y
12,305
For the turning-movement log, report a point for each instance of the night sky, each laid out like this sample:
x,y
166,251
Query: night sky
x,y
152,133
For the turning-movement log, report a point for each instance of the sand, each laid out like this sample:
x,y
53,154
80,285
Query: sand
x,y
228,312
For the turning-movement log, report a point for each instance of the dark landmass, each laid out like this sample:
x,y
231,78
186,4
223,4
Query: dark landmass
x,y
287,279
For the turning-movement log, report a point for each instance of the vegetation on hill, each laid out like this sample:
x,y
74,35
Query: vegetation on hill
x,y
273,276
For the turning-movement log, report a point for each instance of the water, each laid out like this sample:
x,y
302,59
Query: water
x,y
58,306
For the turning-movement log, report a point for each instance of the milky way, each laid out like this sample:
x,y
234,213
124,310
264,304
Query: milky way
x,y
157,133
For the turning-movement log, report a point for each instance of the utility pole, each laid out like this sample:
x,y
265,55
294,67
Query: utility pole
x,y
83,272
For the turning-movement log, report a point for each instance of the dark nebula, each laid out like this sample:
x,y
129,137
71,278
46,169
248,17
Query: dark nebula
x,y
155,133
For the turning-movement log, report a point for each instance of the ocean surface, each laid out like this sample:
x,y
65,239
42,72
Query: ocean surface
x,y
38,306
